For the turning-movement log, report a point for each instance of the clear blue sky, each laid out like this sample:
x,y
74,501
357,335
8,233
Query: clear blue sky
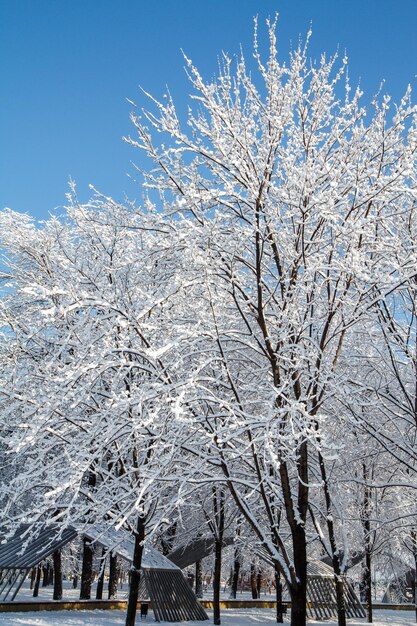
x,y
67,67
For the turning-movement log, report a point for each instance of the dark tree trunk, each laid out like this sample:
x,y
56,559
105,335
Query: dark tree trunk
x,y
340,599
135,572
57,575
298,590
236,573
366,522
75,581
219,519
278,590
217,581
199,579
100,582
37,581
367,584
87,570
259,583
253,586
51,575
32,577
298,606
45,575
113,576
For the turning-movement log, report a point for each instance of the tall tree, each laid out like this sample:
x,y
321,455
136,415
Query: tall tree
x,y
89,432
290,199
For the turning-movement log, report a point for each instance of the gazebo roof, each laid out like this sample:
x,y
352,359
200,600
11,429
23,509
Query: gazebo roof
x,y
30,546
120,543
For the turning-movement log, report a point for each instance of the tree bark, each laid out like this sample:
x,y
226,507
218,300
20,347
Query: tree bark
x,y
366,522
113,576
298,590
32,577
367,583
217,581
100,582
37,581
45,575
278,591
199,579
259,583
87,570
219,519
236,574
340,598
298,606
135,572
253,586
57,575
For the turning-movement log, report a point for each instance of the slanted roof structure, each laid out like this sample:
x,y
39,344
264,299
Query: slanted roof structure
x,y
24,550
120,543
195,550
162,582
321,593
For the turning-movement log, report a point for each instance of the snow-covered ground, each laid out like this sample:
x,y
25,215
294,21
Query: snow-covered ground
x,y
230,617
45,593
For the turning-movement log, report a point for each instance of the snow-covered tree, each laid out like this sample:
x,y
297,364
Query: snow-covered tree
x,y
290,191
239,332
87,399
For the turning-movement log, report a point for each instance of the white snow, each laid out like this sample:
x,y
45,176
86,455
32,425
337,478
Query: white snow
x,y
230,617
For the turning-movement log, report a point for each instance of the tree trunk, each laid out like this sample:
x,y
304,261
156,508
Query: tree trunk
x,y
113,576
32,577
199,579
217,581
367,583
45,575
259,583
75,581
87,570
278,590
57,575
218,531
340,599
298,591
236,574
253,586
37,581
135,572
298,606
366,522
100,582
